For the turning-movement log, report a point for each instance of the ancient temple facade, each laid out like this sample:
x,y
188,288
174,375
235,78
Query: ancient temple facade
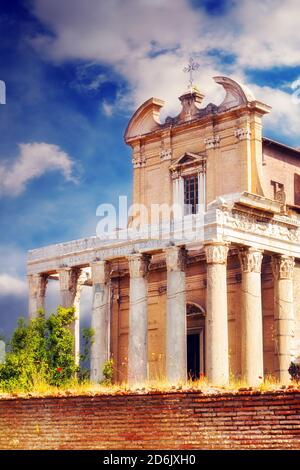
x,y
219,298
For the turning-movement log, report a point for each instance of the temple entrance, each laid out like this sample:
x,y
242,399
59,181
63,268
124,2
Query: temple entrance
x,y
195,341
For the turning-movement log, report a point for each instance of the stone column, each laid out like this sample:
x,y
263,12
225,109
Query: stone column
x,y
68,279
251,316
37,290
176,341
217,361
138,319
283,270
69,297
100,350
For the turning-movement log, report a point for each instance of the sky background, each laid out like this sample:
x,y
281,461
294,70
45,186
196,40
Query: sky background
x,y
75,70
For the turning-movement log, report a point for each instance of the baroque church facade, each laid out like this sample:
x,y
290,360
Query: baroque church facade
x,y
220,300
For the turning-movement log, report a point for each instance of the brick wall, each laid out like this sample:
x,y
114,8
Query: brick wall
x,y
177,420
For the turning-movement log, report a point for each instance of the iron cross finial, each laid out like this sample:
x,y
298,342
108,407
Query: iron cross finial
x,y
190,68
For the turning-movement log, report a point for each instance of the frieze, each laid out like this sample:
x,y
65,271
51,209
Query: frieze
x,y
259,226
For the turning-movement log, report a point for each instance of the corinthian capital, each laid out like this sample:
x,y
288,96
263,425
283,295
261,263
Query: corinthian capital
x,y
37,284
138,265
250,259
216,253
100,272
175,258
283,267
68,278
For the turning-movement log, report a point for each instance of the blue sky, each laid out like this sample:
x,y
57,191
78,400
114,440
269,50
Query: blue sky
x,y
76,70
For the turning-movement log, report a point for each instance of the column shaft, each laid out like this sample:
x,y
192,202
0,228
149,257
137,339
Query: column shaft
x,y
100,350
251,317
283,269
70,297
138,320
217,361
37,290
176,340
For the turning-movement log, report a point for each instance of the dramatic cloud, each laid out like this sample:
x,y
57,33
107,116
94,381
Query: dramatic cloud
x,y
148,43
13,265
34,160
285,113
12,286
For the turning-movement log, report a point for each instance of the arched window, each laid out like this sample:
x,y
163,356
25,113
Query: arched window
x,y
194,309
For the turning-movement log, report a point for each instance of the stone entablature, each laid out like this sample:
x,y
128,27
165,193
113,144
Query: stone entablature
x,y
267,231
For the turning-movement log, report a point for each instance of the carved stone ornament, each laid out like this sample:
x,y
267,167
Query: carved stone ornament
x,y
175,258
242,133
165,154
268,227
100,272
37,285
68,279
139,161
280,196
212,142
216,253
283,267
250,259
138,265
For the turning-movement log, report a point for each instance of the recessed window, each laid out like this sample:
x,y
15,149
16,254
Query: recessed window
x,y
191,194
297,189
277,186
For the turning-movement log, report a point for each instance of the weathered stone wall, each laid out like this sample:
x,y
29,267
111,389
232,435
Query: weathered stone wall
x,y
177,420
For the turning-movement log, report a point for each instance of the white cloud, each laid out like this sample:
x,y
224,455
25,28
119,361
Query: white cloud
x,y
148,43
12,286
107,108
12,279
34,160
285,113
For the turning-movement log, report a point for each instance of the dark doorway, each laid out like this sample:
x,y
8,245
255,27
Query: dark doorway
x,y
193,356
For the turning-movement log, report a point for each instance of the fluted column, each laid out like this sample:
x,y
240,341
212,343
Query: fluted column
x,y
100,350
217,361
251,316
37,290
176,341
138,319
69,297
283,270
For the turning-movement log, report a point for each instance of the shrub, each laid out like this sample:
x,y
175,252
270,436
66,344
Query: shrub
x,y
294,371
41,350
108,370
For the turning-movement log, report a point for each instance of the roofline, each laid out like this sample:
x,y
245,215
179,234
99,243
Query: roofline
x,y
281,145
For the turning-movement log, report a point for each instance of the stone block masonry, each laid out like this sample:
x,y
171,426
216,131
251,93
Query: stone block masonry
x,y
156,420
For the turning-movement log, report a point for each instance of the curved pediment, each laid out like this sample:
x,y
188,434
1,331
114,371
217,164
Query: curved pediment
x,y
145,119
236,93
